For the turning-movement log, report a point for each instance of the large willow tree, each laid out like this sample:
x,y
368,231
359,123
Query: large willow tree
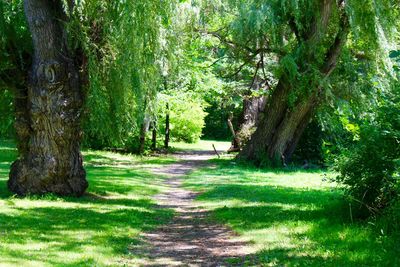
x,y
321,30
87,55
319,37
294,46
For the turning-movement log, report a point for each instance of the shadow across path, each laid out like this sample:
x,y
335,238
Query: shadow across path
x,y
191,238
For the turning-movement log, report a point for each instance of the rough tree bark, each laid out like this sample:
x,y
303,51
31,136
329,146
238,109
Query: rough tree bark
x,y
253,106
282,125
48,114
21,123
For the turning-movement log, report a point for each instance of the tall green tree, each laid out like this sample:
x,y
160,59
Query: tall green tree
x,y
312,60
295,47
93,60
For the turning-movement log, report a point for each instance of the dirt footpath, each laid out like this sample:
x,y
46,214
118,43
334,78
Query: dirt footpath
x,y
190,239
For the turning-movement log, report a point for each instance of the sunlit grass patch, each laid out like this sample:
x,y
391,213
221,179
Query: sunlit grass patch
x,y
94,230
291,217
202,145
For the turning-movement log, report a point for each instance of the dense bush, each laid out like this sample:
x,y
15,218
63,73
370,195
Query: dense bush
x,y
370,171
310,145
15,58
216,127
389,222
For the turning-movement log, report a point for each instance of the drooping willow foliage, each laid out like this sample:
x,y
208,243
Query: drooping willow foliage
x,y
359,100
122,49
122,44
262,40
252,29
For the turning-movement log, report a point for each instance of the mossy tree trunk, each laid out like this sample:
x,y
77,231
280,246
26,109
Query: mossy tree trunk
x,y
282,123
48,114
253,107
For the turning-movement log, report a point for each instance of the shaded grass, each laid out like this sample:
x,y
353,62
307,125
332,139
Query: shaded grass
x,y
94,230
292,218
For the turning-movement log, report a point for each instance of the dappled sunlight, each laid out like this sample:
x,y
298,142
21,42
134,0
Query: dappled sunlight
x,y
286,217
95,229
292,217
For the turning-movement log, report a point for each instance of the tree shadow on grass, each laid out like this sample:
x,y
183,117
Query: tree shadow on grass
x,y
75,229
106,181
227,164
104,221
269,194
95,158
314,227
73,225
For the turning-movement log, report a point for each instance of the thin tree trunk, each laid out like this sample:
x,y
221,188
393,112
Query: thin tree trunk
x,y
235,142
50,158
167,130
142,138
279,131
154,137
143,130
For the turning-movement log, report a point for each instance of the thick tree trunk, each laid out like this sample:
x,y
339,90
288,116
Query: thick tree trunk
x,y
253,107
48,116
282,125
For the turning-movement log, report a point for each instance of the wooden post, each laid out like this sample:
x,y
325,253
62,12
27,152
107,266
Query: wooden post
x,y
235,146
216,152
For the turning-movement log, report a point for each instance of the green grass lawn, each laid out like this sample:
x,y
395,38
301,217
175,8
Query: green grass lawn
x,y
292,218
95,230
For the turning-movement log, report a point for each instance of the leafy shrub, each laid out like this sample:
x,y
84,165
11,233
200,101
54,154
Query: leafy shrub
x,y
186,116
370,170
